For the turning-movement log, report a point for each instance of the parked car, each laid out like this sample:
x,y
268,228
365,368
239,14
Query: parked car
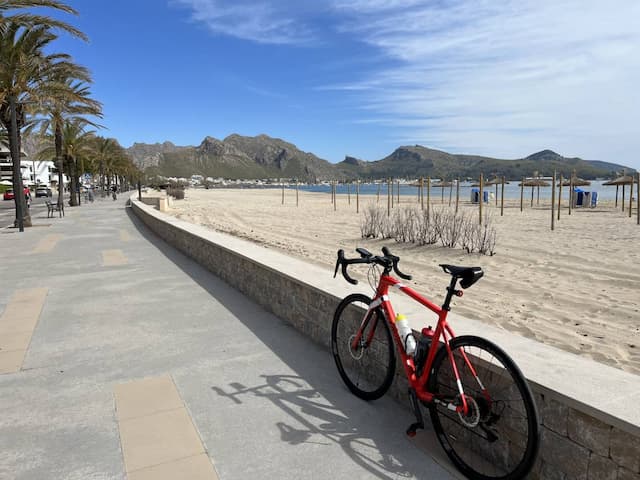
x,y
43,191
8,195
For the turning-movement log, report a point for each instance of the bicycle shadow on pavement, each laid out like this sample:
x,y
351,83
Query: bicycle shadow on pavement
x,y
319,409
322,422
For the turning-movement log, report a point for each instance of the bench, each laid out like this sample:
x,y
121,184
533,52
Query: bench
x,y
54,207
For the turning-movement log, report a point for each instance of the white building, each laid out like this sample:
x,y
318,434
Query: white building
x,y
34,172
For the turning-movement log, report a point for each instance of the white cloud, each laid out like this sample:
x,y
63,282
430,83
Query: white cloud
x,y
499,77
506,77
262,21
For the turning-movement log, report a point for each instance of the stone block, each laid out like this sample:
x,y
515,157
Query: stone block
x,y
625,450
549,472
589,432
555,415
601,468
564,455
624,474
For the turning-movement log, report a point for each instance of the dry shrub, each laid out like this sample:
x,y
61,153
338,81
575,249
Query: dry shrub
x,y
410,225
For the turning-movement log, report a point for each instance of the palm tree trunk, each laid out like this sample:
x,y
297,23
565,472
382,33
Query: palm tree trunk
x,y
59,164
23,219
73,198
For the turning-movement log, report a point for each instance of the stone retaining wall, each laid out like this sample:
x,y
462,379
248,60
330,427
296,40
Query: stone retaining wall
x,y
578,441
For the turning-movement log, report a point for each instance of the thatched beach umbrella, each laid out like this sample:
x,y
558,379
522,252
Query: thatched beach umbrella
x,y
622,180
443,184
535,182
576,182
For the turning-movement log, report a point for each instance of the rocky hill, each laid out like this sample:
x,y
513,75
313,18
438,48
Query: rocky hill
x,y
234,157
265,157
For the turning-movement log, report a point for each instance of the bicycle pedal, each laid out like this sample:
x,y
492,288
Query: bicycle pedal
x,y
413,429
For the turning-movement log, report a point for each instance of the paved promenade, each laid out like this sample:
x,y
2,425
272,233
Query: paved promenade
x,y
121,358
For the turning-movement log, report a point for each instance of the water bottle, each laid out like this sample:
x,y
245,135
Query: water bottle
x,y
422,350
406,334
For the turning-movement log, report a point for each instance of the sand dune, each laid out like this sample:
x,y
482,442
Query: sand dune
x,y
577,288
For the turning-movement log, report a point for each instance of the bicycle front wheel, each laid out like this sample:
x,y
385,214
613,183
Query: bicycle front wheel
x,y
498,437
362,347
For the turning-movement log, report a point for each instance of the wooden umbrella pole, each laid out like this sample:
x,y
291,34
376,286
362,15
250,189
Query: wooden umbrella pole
x,y
421,193
521,194
570,194
388,197
481,198
392,194
441,191
638,197
553,201
622,199
617,188
630,197
349,193
496,193
358,196
532,191
296,193
282,191
560,196
398,185
502,197
457,194
450,192
428,198
335,195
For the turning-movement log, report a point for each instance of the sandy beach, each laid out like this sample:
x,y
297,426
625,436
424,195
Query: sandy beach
x,y
576,288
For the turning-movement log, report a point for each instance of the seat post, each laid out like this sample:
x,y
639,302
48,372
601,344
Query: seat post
x,y
451,291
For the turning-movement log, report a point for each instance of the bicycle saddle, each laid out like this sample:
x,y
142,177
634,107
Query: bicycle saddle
x,y
467,275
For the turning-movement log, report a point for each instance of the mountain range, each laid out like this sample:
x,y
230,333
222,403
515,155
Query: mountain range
x,y
241,157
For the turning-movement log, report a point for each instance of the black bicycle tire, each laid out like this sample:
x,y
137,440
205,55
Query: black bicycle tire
x,y
533,419
391,367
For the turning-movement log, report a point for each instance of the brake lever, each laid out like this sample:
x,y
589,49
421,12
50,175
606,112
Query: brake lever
x,y
340,257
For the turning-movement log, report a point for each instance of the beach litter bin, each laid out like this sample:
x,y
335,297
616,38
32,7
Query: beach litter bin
x,y
475,195
584,199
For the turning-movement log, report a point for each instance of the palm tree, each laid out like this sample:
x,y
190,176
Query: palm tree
x,y
66,98
77,149
27,19
106,149
22,63
23,66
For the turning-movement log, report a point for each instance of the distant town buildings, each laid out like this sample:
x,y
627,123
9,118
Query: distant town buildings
x,y
34,172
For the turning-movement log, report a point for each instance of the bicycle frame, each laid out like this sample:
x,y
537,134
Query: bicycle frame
x,y
442,330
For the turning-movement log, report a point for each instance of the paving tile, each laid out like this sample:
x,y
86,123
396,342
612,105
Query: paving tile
x,y
146,397
11,362
114,257
192,468
11,341
124,236
47,243
159,438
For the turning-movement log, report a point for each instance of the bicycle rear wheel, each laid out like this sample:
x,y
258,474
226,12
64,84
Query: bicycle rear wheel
x,y
368,368
499,436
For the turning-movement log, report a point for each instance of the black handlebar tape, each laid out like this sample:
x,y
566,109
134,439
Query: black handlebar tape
x,y
338,262
395,260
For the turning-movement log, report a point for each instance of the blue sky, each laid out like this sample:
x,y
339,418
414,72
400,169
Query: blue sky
x,y
502,78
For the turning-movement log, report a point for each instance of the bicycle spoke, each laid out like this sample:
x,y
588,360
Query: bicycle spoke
x,y
492,439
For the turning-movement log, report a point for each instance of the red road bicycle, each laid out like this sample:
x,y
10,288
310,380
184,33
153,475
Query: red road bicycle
x,y
479,402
